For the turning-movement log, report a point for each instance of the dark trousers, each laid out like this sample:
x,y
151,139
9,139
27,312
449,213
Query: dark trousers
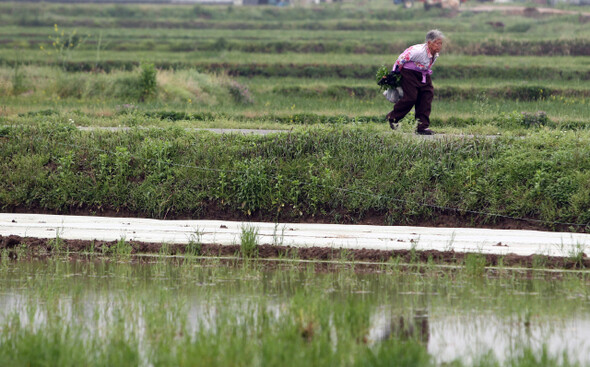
x,y
416,94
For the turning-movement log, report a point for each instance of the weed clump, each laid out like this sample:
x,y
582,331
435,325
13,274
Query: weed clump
x,y
147,81
249,241
121,249
195,244
475,264
538,118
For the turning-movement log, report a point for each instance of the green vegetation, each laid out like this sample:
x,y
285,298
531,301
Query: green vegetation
x,y
195,244
236,62
104,108
340,173
249,241
307,70
176,312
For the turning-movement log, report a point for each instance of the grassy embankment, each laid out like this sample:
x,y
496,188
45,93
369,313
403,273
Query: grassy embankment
x,y
339,174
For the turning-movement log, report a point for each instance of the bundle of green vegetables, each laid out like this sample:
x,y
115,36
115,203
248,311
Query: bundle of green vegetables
x,y
387,79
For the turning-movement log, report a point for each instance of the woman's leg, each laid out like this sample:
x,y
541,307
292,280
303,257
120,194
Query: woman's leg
x,y
410,84
424,104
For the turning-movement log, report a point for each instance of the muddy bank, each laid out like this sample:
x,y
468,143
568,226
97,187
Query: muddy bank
x,y
14,246
370,217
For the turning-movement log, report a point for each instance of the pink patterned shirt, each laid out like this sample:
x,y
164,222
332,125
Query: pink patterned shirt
x,y
419,54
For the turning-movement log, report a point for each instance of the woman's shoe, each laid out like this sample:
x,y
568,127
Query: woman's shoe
x,y
424,132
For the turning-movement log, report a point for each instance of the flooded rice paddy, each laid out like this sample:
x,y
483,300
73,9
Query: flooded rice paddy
x,y
196,312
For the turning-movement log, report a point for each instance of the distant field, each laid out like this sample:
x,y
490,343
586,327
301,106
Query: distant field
x,y
318,60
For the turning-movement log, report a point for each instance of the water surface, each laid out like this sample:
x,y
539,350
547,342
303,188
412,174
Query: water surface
x,y
454,316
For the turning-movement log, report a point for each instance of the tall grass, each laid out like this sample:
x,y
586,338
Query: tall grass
x,y
336,173
219,97
145,83
249,241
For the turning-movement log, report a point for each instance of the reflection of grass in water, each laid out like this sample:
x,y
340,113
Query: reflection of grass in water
x,y
301,334
177,311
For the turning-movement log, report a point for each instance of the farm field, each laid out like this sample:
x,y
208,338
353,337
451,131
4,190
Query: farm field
x,y
103,111
511,103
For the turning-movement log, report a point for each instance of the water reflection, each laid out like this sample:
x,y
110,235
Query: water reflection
x,y
387,325
465,319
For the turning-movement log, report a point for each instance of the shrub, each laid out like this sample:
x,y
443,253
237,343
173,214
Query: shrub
x,y
201,12
147,81
250,185
220,44
240,93
538,118
519,28
18,80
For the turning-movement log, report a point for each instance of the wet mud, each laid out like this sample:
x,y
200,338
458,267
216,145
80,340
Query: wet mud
x,y
15,246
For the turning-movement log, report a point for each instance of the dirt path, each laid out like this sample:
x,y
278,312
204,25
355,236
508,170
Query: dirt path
x,y
271,131
214,130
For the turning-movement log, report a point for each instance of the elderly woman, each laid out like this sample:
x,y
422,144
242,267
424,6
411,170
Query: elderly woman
x,y
415,64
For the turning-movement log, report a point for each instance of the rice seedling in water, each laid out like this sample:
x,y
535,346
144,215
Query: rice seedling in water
x,y
121,249
56,243
475,264
195,243
278,238
164,250
166,313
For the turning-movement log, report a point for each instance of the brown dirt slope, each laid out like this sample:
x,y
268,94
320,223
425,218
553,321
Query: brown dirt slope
x,y
13,245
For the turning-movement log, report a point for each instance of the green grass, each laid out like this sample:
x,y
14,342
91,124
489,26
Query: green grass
x,y
332,172
475,264
100,99
249,240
